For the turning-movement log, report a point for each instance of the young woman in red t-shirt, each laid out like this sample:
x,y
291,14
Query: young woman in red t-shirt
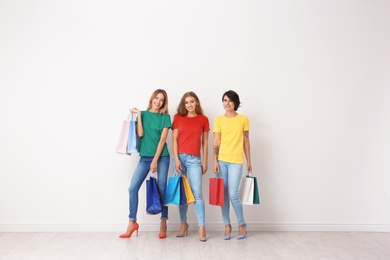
x,y
190,137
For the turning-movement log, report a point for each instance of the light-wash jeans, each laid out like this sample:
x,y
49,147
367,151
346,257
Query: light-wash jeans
x,y
138,178
231,174
192,169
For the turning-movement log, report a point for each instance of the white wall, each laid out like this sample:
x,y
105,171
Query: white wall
x,y
313,77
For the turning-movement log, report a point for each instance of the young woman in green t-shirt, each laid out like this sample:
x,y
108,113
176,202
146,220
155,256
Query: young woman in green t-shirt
x,y
152,128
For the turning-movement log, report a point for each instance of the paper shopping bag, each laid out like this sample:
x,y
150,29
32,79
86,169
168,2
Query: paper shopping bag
x,y
256,196
133,140
153,205
183,197
123,137
216,191
247,189
188,191
172,194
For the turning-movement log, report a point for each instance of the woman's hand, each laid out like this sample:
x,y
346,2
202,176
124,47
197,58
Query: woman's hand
x,y
153,166
204,167
178,166
249,167
216,167
135,110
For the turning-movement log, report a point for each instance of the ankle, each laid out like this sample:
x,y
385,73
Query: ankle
x,y
228,229
242,229
202,230
131,224
163,223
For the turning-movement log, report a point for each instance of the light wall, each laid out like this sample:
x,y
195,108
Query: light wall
x,y
313,77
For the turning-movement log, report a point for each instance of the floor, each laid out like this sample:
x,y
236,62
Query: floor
x,y
258,245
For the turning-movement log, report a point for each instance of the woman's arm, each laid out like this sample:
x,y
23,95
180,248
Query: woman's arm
x,y
205,146
175,149
217,140
140,129
247,151
160,146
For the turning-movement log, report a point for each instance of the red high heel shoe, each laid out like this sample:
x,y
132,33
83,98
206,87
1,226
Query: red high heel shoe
x,y
160,235
128,235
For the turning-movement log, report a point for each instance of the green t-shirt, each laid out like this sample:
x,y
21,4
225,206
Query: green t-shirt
x,y
153,124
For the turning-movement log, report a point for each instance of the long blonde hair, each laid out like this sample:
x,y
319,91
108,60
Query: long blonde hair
x,y
181,108
164,108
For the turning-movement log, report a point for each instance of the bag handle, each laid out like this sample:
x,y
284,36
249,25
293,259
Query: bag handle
x,y
249,174
177,173
131,116
217,175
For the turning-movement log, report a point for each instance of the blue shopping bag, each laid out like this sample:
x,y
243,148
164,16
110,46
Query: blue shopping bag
x,y
153,205
133,139
183,197
172,194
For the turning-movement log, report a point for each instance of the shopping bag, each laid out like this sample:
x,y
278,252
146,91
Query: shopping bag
x,y
216,191
249,191
133,140
188,191
256,195
172,194
153,205
183,197
124,136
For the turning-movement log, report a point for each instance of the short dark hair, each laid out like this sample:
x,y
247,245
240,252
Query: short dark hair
x,y
233,96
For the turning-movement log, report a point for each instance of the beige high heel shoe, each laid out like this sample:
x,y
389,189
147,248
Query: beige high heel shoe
x,y
185,231
202,234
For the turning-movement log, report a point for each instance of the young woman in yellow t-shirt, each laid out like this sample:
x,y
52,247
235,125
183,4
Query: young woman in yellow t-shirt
x,y
231,145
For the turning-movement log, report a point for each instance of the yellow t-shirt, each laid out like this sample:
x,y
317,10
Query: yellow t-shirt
x,y
231,147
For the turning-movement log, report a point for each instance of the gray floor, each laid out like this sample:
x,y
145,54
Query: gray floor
x,y
258,245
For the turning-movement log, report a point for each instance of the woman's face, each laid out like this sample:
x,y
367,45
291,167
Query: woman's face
x,y
190,104
157,102
228,105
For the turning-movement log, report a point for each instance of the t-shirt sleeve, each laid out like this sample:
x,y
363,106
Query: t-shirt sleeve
x,y
217,126
206,126
246,124
167,121
175,122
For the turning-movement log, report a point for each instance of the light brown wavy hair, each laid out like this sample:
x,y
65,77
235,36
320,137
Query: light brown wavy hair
x,y
181,108
164,108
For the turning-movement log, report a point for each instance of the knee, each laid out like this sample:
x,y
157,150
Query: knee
x,y
234,197
133,190
197,194
161,189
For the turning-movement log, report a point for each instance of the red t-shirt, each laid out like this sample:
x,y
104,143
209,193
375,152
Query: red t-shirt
x,y
190,130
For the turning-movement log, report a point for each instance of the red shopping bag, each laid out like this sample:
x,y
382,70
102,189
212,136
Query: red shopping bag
x,y
216,192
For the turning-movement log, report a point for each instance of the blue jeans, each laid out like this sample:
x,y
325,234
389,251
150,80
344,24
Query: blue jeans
x,y
138,178
231,174
192,169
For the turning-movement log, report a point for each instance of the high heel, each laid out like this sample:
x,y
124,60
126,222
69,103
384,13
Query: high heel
x,y
202,234
163,235
185,232
128,235
230,232
243,235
